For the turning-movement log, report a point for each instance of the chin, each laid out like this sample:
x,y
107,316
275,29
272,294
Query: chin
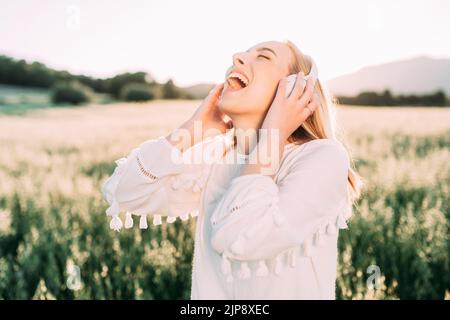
x,y
233,105
228,106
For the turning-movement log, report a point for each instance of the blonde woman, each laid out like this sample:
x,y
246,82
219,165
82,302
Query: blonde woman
x,y
263,171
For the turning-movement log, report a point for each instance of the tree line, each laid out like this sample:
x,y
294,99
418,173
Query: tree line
x,y
139,86
125,86
386,98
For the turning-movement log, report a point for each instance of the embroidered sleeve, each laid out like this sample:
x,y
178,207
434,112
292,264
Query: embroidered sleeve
x,y
259,220
157,180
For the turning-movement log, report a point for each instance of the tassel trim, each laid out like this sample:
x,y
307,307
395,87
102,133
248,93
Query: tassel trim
x,y
306,249
116,223
128,220
179,181
143,222
262,270
171,219
156,220
245,271
226,268
278,264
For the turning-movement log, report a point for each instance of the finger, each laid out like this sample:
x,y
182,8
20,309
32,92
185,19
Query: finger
x,y
216,88
314,98
215,91
308,110
308,93
281,90
299,86
214,95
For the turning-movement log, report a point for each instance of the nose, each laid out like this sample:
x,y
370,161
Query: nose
x,y
239,58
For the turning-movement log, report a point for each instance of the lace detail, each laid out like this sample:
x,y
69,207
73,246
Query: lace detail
x,y
114,210
145,172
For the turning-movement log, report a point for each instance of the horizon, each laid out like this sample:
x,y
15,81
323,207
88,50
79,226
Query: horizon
x,y
201,83
64,30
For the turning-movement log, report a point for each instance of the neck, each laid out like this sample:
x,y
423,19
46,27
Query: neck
x,y
246,133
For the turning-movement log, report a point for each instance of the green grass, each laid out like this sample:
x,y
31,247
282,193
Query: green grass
x,y
16,100
19,101
52,215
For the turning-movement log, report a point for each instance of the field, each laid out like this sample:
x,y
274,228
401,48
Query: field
x,y
18,100
55,240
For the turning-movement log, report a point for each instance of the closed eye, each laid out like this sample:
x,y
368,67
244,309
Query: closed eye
x,y
264,57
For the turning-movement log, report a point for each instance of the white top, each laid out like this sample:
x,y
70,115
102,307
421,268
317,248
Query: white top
x,y
256,237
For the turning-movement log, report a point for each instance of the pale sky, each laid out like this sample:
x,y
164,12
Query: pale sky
x,y
193,41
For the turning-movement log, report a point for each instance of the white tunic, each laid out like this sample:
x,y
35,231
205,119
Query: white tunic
x,y
256,237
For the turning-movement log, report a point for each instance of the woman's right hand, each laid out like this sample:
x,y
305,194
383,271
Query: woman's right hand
x,y
209,114
207,118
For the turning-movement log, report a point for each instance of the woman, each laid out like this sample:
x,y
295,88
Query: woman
x,y
269,203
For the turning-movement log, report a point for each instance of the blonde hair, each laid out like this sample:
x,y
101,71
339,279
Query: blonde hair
x,y
322,123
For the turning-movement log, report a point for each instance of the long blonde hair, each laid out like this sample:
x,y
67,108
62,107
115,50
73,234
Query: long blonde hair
x,y
322,123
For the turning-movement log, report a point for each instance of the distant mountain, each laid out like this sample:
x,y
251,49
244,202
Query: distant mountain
x,y
415,76
198,91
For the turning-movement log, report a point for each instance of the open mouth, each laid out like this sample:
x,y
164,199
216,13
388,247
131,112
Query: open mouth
x,y
237,81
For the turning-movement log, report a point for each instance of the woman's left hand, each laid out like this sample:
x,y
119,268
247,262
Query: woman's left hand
x,y
287,114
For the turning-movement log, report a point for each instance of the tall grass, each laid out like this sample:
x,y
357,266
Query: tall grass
x,y
53,162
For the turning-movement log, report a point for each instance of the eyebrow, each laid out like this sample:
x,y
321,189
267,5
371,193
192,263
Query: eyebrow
x,y
264,48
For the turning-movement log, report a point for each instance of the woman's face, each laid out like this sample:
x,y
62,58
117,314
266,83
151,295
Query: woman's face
x,y
262,67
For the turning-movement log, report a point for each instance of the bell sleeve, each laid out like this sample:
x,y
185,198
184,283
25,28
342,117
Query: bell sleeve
x,y
259,219
157,180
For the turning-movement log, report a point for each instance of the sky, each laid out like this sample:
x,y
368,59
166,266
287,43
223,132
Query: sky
x,y
192,41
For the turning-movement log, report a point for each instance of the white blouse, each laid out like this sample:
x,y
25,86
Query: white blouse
x,y
256,237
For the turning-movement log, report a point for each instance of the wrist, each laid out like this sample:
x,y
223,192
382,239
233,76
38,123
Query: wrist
x,y
190,133
270,124
273,133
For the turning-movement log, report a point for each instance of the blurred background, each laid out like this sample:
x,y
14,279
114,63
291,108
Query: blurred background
x,y
83,82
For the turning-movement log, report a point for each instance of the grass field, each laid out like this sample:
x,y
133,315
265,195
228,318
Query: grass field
x,y
17,100
53,161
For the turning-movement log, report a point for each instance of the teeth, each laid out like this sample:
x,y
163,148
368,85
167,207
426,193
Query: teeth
x,y
240,77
